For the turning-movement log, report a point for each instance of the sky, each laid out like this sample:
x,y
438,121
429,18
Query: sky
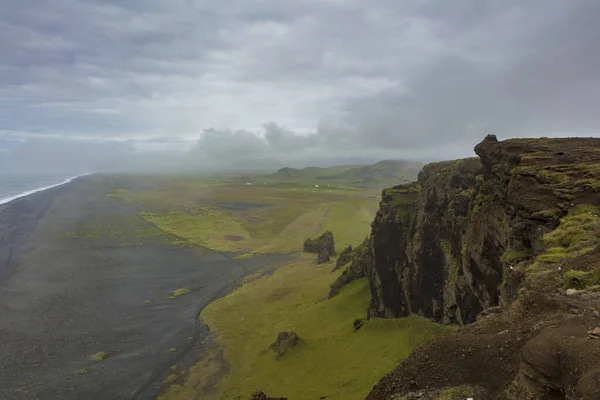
x,y
257,82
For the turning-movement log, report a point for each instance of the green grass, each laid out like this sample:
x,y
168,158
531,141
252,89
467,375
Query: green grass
x,y
290,239
244,256
581,279
179,292
456,393
213,229
511,255
122,231
101,355
576,235
349,221
237,218
546,214
381,174
338,363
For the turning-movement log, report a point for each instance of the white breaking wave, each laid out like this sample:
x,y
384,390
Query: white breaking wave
x,y
27,193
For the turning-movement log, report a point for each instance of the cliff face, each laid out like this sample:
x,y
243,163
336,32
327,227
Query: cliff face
x,y
517,228
448,246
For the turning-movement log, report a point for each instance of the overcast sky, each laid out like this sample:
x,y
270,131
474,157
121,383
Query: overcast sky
x,y
298,80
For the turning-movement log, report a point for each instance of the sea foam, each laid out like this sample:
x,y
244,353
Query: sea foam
x,y
41,189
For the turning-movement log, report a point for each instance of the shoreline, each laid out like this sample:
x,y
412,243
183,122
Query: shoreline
x,y
82,268
26,193
19,216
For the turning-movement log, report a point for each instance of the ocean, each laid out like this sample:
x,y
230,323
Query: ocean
x,y
15,186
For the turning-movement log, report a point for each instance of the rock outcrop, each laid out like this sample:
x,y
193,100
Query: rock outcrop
x,y
323,257
344,258
323,244
495,243
284,342
360,261
261,395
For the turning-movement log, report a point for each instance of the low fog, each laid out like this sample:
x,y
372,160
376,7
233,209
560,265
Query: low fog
x,y
106,85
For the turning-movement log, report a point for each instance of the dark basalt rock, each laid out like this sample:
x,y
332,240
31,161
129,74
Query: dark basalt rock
x,y
260,395
284,341
457,246
361,261
322,244
357,324
345,257
323,258
443,247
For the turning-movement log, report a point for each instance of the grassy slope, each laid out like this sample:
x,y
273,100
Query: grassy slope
x,y
383,173
254,219
331,360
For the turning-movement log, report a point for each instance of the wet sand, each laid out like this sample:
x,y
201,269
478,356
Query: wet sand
x,y
66,294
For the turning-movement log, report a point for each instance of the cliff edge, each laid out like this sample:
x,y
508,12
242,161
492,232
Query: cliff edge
x,y
507,246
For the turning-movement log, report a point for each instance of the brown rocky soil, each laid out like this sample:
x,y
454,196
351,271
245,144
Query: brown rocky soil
x,y
538,349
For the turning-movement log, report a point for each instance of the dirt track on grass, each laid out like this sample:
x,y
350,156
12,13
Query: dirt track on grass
x,y
81,273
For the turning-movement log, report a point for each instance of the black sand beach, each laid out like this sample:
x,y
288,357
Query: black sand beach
x,y
67,292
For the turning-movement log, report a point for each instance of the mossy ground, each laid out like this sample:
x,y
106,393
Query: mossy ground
x,y
580,280
456,393
101,355
577,234
331,360
179,292
234,217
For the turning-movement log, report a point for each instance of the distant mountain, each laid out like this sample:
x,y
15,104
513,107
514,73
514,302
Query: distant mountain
x,y
380,174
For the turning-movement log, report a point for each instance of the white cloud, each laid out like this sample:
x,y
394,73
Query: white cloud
x,y
371,78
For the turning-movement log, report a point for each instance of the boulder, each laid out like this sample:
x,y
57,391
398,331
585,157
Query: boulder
x,y
284,341
323,243
261,395
357,324
323,258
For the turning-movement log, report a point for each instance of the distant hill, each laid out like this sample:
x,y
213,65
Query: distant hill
x,y
380,174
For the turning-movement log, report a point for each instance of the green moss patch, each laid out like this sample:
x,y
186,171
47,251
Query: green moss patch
x,y
210,228
511,255
581,279
101,355
577,234
456,393
179,292
170,379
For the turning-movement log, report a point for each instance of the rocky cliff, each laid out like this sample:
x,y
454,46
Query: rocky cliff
x,y
495,240
446,247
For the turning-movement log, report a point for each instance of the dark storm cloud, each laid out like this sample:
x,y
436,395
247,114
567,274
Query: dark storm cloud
x,y
342,79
